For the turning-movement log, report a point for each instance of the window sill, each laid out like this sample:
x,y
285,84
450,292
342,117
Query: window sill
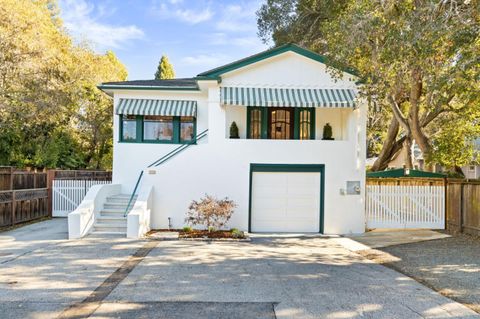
x,y
157,142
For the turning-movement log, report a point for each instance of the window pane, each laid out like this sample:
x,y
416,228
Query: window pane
x,y
256,124
187,132
280,124
305,125
129,130
158,128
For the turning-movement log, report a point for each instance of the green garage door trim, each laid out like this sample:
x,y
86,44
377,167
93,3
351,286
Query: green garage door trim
x,y
157,107
288,97
288,168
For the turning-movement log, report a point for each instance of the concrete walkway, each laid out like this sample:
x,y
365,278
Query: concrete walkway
x,y
42,274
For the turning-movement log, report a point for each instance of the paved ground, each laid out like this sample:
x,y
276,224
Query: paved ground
x,y
392,237
269,277
42,273
449,265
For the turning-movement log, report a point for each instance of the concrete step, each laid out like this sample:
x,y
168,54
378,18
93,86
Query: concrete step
x,y
100,233
112,219
116,205
111,228
118,223
121,197
112,211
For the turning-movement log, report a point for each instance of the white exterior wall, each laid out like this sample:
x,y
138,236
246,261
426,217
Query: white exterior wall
x,y
221,167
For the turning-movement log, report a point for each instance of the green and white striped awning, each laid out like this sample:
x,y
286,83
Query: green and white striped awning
x,y
157,107
288,97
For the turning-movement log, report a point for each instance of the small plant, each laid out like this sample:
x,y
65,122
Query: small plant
x,y
210,212
327,132
234,130
187,229
211,229
237,233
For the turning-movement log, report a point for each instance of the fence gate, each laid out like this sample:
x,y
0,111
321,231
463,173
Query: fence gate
x,y
68,194
403,203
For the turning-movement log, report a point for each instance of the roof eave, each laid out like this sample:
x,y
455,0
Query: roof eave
x,y
104,88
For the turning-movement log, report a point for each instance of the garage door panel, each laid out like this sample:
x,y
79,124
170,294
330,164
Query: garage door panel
x,y
285,202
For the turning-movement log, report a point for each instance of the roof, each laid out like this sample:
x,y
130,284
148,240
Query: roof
x,y
290,47
400,172
173,84
190,84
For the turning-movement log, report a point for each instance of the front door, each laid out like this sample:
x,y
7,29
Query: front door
x,y
280,123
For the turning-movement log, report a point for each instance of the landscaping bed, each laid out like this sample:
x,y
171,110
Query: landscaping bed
x,y
198,234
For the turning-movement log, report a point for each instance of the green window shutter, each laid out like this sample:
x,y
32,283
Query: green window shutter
x,y
176,129
264,123
139,129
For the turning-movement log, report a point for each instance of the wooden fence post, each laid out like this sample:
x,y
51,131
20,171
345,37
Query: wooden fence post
x,y
11,178
462,203
14,206
50,178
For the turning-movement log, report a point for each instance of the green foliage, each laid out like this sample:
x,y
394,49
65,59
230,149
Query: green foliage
x,y
237,233
417,60
165,69
187,229
234,130
327,132
51,112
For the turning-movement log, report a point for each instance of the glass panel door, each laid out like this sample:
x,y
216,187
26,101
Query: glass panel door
x,y
280,123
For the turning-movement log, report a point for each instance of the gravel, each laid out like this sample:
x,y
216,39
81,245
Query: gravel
x,y
450,266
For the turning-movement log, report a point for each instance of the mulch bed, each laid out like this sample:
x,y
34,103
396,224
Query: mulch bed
x,y
206,234
195,233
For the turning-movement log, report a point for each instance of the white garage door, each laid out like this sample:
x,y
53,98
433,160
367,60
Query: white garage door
x,y
285,202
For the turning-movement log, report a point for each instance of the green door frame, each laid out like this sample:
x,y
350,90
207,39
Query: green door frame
x,y
288,168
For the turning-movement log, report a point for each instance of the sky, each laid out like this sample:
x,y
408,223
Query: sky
x,y
196,35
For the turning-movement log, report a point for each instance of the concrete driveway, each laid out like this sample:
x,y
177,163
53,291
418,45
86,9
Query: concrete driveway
x,y
270,277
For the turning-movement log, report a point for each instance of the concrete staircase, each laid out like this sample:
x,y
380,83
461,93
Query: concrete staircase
x,y
112,219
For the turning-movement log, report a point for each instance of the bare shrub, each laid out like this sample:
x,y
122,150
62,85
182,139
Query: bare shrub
x,y
210,212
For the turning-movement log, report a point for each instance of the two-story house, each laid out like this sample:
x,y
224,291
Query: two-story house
x,y
282,172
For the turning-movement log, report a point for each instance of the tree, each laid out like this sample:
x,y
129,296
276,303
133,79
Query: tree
x,y
416,59
165,69
51,113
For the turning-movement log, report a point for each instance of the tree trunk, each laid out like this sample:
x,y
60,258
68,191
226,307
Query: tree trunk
x,y
407,146
388,145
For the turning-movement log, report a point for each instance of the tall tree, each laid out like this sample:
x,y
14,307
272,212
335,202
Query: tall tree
x,y
51,113
416,59
165,69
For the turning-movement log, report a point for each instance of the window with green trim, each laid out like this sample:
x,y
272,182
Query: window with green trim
x,y
255,123
187,128
157,129
129,128
280,123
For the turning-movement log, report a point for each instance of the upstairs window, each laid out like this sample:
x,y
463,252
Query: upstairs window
x,y
187,128
157,128
283,123
255,130
129,125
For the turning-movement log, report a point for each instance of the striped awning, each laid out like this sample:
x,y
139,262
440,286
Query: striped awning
x,y
157,107
288,97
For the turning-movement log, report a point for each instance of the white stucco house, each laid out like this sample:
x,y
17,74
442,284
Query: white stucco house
x,y
281,172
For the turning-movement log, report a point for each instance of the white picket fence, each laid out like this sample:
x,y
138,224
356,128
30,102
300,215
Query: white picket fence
x,y
68,194
405,206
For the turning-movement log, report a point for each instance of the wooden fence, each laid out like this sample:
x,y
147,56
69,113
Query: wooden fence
x,y
405,203
26,195
463,206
